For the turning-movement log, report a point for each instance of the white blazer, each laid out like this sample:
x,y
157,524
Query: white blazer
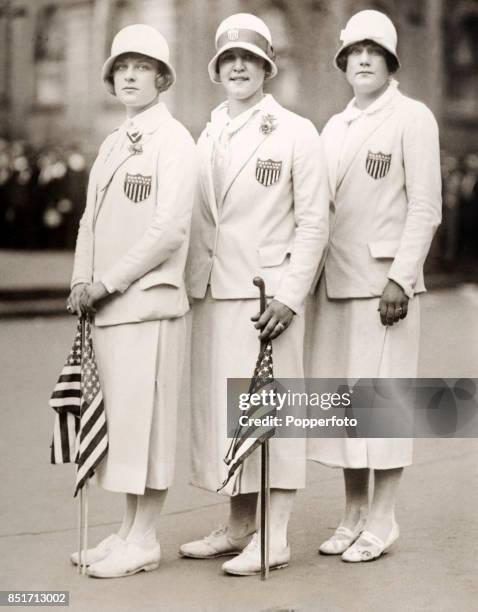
x,y
139,252
272,217
386,197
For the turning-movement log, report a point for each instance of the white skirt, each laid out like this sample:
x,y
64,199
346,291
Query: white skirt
x,y
140,367
225,345
346,339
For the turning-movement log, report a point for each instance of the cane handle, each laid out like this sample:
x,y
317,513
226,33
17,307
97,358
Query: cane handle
x,y
259,282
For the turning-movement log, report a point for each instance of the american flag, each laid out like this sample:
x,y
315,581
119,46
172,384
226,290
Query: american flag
x,y
79,433
249,437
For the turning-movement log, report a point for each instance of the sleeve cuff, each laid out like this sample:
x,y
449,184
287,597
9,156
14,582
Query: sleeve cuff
x,y
79,281
408,289
296,308
109,286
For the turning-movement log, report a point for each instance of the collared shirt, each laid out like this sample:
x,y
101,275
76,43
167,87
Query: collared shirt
x,y
146,121
223,131
144,124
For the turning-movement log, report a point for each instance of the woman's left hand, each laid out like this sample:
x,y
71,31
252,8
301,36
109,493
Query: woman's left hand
x,y
91,295
275,319
393,304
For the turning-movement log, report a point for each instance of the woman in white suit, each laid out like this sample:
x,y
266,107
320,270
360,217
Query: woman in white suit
x,y
384,172
129,267
263,212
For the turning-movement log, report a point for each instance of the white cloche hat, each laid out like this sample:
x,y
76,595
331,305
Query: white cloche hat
x,y
369,25
243,31
137,38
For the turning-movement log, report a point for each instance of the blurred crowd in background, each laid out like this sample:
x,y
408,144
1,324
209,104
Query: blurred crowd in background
x,y
456,238
43,191
42,195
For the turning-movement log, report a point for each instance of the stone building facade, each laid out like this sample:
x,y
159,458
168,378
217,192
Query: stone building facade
x,y
51,53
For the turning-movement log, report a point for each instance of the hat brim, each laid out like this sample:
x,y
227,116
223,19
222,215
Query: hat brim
x,y
106,71
212,66
354,42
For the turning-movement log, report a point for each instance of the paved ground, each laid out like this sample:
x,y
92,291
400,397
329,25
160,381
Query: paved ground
x,y
433,567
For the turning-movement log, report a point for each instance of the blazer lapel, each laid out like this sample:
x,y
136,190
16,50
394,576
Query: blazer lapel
x,y
205,145
333,146
368,127
247,145
113,160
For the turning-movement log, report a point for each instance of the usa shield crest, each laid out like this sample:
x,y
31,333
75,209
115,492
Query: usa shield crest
x,y
137,187
378,164
268,171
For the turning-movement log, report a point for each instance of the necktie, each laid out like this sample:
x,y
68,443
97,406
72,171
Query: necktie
x,y
134,136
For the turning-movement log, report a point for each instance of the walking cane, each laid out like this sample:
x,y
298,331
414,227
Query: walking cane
x,y
265,485
83,499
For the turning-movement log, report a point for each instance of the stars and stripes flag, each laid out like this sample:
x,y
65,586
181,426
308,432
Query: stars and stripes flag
x,y
79,432
249,437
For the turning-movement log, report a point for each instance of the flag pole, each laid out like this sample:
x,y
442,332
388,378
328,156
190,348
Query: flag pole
x,y
85,533
265,485
80,529
84,489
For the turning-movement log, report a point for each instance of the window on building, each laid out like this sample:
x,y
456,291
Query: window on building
x,y
286,85
461,57
49,56
4,53
122,14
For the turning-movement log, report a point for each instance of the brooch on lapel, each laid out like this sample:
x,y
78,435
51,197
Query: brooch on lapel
x,y
135,137
268,171
137,187
378,164
268,124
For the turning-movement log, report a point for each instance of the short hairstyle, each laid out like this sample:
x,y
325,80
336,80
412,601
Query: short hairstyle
x,y
391,60
162,70
267,65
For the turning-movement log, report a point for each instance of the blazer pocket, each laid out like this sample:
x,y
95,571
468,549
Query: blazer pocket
x,y
159,277
273,255
383,249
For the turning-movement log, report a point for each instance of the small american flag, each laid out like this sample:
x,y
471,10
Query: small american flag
x,y
249,437
80,432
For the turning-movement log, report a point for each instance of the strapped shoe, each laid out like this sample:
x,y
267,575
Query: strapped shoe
x,y
342,539
369,547
126,559
217,544
248,563
100,552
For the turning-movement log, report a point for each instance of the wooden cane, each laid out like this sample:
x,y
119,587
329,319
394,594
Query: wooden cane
x,y
265,484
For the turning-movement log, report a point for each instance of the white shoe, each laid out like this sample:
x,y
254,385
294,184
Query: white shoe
x,y
248,563
125,560
342,539
369,547
100,552
217,544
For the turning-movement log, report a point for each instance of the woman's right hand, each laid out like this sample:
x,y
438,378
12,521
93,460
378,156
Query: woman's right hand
x,y
73,303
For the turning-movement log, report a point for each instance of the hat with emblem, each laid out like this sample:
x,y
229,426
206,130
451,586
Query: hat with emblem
x,y
243,31
137,38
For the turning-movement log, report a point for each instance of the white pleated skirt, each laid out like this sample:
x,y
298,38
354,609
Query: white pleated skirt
x,y
140,367
346,339
225,345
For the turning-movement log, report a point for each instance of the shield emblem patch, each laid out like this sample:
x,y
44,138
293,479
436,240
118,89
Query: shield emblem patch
x,y
378,164
268,171
137,187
